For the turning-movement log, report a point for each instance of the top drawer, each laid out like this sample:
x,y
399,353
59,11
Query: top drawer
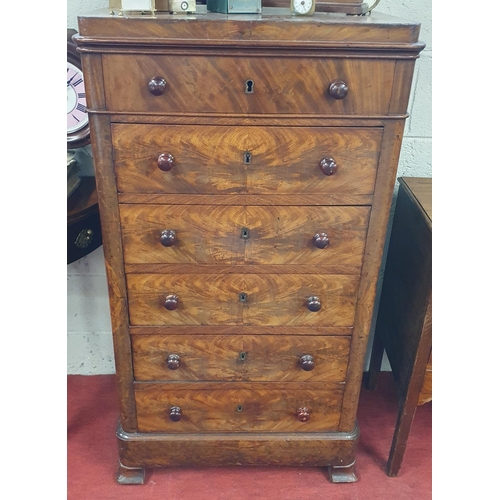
x,y
215,84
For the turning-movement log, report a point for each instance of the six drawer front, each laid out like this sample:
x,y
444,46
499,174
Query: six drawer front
x,y
252,160
250,382
250,299
201,234
253,358
210,84
238,407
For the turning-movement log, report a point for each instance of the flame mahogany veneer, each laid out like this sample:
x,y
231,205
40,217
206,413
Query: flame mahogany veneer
x,y
245,167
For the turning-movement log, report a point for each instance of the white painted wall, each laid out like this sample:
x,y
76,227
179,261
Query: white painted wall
x,y
90,347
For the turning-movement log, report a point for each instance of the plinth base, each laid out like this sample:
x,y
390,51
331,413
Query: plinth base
x,y
139,451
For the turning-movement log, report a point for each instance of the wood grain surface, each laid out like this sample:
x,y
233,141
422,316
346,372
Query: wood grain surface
x,y
248,448
276,28
253,358
242,330
379,217
272,299
210,159
240,269
212,234
100,133
213,84
239,384
246,199
238,407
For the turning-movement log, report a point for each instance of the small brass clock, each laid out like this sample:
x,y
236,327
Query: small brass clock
x,y
302,7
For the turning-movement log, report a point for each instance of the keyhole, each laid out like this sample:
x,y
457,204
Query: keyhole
x,y
243,356
247,158
243,297
239,408
245,233
249,86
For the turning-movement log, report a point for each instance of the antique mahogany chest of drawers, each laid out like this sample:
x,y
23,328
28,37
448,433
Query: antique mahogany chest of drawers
x,y
245,166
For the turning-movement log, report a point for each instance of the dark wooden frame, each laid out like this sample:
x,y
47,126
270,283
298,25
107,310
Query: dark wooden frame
x,y
404,322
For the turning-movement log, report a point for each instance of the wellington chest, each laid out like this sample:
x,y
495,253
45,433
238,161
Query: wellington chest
x,y
245,166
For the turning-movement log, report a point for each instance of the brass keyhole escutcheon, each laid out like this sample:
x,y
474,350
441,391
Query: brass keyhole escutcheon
x,y
249,87
247,158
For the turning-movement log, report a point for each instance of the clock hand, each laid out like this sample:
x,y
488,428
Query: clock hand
x,y
69,81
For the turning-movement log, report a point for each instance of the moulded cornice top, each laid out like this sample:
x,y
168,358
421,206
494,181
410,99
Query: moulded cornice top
x,y
274,26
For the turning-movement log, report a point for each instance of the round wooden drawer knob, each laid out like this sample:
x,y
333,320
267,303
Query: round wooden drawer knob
x,y
328,166
173,361
175,414
167,237
171,302
338,89
321,240
313,304
303,414
306,362
157,85
165,162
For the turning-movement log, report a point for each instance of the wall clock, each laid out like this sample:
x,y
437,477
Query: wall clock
x,y
84,226
78,119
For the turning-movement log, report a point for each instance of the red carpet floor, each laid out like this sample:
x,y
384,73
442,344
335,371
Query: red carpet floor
x,y
93,457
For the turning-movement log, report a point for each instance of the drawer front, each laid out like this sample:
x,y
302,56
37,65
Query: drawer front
x,y
250,299
202,234
238,407
211,84
253,358
213,159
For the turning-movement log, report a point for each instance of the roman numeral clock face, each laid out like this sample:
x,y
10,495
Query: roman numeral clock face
x,y
77,102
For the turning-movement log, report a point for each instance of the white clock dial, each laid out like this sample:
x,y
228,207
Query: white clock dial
x,y
302,6
77,101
